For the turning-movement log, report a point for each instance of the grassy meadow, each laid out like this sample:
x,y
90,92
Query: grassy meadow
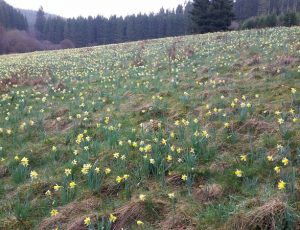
x,y
193,132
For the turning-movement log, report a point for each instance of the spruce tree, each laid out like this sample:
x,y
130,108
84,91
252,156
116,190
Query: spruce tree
x,y
212,15
200,16
40,22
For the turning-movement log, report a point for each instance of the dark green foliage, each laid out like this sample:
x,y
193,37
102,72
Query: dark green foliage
x,y
211,16
99,30
40,23
244,9
287,19
290,19
11,18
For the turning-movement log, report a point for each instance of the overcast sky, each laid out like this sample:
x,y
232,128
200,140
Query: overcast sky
x,y
74,8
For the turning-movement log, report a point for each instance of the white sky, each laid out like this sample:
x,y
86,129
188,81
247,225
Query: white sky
x,y
74,8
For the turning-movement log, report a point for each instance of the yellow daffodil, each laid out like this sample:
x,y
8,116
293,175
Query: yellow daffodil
x,y
87,221
285,161
33,175
72,184
270,158
68,172
243,157
125,176
238,173
280,121
169,158
119,179
205,134
139,222
56,187
171,195
25,161
184,177
53,212
107,171
142,197
281,185
112,218
277,169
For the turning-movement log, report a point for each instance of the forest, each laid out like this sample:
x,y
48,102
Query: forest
x,y
198,16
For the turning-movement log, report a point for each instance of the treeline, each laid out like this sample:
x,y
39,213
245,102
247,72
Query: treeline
x,y
290,18
100,30
244,9
197,16
11,18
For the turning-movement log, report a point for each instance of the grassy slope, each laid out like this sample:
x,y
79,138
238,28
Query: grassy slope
x,y
187,86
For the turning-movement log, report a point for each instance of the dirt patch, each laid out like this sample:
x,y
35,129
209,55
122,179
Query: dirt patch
x,y
152,125
128,94
60,86
218,167
6,84
144,108
257,126
60,112
69,213
255,60
3,88
189,51
52,126
208,193
286,60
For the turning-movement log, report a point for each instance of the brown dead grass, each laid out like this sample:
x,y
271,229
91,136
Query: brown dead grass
x,y
152,125
135,210
175,180
177,222
262,217
257,126
69,213
3,171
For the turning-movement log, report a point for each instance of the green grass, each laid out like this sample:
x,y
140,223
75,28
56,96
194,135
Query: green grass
x,y
155,128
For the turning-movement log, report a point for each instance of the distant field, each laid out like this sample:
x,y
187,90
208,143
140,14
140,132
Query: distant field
x,y
194,132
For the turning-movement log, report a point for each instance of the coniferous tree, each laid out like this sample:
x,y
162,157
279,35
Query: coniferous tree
x,y
11,18
40,22
200,16
211,16
221,14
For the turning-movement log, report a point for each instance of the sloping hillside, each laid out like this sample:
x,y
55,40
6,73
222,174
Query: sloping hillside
x,y
195,132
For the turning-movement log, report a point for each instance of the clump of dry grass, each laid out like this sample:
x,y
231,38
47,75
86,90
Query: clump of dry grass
x,y
134,210
69,213
266,216
177,222
175,180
